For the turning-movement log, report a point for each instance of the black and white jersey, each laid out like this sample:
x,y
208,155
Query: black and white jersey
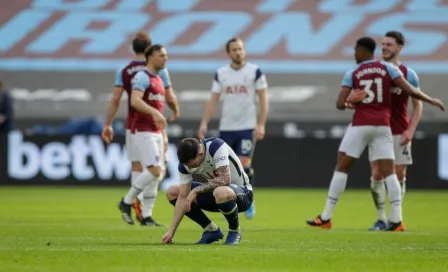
x,y
217,154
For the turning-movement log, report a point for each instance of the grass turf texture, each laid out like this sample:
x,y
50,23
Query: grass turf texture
x,y
80,229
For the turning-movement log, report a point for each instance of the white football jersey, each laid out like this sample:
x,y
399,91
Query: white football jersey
x,y
238,89
217,154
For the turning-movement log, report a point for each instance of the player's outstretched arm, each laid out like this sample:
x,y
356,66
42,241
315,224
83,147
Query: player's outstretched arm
x,y
179,212
404,85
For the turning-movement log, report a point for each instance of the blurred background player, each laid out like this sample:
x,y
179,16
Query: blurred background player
x,y
240,82
402,129
123,83
147,124
144,204
372,81
227,189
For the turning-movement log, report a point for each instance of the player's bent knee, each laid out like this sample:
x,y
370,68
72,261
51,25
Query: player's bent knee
x,y
376,175
223,193
173,192
386,167
344,162
156,171
400,170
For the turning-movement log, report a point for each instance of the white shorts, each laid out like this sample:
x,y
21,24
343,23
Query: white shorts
x,y
149,148
403,154
131,151
377,138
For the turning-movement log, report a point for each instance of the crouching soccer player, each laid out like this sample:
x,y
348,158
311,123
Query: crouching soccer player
x,y
227,189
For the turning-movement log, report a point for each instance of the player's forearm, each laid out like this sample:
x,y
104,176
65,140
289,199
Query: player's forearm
x,y
171,100
222,178
140,105
416,114
174,106
412,91
111,112
179,212
209,111
207,187
341,103
264,108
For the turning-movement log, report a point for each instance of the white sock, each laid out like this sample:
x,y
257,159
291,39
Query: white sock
x,y
142,181
394,190
337,187
134,176
211,227
403,188
149,198
378,189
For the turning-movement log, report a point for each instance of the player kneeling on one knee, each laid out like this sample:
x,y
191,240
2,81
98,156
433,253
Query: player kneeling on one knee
x,y
226,189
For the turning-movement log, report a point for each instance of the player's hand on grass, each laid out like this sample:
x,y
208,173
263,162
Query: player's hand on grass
x,y
202,131
436,102
107,134
259,132
357,96
190,198
407,136
168,238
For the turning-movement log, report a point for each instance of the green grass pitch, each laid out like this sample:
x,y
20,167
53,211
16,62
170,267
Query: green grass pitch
x,y
80,229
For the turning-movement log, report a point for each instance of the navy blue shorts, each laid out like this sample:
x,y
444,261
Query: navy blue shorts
x,y
244,198
241,141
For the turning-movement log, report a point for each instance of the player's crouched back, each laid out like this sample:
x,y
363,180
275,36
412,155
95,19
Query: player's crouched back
x,y
227,189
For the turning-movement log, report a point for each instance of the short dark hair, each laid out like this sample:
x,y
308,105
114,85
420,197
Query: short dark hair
x,y
397,35
367,43
151,49
140,42
187,150
232,40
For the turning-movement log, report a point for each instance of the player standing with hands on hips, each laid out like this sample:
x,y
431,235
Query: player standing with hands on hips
x,y
239,82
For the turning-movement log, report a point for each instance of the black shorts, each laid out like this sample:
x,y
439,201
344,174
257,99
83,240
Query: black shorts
x,y
244,198
241,141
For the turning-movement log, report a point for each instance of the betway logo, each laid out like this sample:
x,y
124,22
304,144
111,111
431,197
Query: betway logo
x,y
156,97
84,158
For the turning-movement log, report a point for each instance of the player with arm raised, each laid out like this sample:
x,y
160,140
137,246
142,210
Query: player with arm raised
x,y
240,83
402,128
147,124
227,189
123,84
372,81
